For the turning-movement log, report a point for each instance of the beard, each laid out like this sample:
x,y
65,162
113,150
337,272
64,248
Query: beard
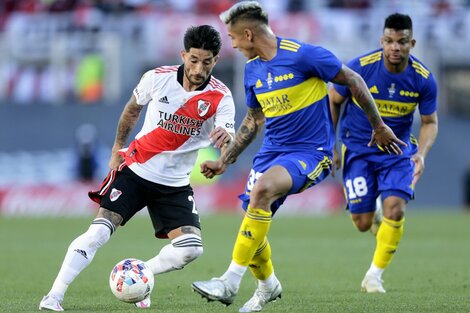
x,y
195,79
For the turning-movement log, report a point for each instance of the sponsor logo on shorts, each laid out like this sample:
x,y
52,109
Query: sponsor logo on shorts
x,y
115,194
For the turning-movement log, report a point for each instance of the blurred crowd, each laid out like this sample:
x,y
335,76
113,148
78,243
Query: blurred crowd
x,y
79,50
7,7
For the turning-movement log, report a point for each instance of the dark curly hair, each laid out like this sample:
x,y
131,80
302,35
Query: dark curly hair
x,y
398,21
203,37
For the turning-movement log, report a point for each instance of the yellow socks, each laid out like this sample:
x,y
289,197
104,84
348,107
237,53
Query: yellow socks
x,y
261,265
253,230
388,237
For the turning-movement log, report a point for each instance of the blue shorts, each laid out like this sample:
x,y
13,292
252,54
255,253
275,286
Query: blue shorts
x,y
306,169
367,176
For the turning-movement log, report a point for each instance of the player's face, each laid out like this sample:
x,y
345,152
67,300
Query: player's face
x,y
241,38
198,65
396,45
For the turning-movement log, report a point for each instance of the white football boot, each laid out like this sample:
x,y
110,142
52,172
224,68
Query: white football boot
x,y
216,289
372,284
144,304
261,298
50,303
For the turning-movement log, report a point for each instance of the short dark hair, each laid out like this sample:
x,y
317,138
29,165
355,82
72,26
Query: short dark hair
x,y
203,37
398,21
245,10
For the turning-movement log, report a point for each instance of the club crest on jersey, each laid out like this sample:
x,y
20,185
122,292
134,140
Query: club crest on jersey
x,y
115,194
269,80
203,107
391,90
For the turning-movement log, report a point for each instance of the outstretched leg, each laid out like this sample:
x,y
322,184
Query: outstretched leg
x,y
79,255
273,184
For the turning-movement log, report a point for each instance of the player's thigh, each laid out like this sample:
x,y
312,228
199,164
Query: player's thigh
x,y
126,195
360,184
174,207
274,183
300,171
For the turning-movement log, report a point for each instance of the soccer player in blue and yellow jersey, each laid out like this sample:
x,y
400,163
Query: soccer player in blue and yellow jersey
x,y
286,91
399,83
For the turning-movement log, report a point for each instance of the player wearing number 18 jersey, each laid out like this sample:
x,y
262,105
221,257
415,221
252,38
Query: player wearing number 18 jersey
x,y
400,84
187,109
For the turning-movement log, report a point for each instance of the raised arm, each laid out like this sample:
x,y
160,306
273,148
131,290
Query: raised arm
x,y
382,135
249,128
129,117
427,136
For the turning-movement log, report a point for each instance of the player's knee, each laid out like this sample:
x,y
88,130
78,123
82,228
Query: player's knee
x,y
262,191
362,224
99,234
394,208
188,247
396,216
190,254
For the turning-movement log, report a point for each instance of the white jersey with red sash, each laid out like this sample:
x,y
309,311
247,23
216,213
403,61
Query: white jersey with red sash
x,y
177,124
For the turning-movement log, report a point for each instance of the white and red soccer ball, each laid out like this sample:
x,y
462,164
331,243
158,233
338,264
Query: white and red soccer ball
x,y
131,281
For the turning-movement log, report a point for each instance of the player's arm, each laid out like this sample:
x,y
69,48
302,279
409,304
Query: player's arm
x,y
129,117
249,128
427,136
382,135
336,100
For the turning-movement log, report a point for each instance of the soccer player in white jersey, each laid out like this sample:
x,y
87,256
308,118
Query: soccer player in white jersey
x,y
188,109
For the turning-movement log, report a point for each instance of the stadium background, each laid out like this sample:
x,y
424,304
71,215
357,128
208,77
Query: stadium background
x,y
67,67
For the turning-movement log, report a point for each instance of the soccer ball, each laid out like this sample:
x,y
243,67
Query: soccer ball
x,y
131,281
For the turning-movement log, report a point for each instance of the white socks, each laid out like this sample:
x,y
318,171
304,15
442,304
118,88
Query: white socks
x,y
375,271
80,254
234,275
269,283
175,256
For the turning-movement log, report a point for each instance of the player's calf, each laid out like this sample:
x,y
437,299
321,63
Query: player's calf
x,y
175,256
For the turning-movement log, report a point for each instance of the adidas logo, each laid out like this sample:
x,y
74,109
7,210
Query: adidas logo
x,y
163,99
82,252
247,234
374,89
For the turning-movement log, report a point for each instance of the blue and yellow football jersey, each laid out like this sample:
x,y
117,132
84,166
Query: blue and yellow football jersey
x,y
396,95
292,91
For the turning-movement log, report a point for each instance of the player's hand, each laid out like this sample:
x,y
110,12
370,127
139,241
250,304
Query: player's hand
x,y
419,167
336,162
211,168
219,137
386,140
116,160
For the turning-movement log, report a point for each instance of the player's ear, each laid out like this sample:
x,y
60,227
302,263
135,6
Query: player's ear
x,y
413,43
248,33
183,55
214,60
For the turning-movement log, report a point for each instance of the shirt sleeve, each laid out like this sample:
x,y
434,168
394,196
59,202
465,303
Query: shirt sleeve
x,y
320,62
428,99
142,91
225,115
250,96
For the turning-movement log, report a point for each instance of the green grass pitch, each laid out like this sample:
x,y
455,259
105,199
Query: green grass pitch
x,y
319,260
